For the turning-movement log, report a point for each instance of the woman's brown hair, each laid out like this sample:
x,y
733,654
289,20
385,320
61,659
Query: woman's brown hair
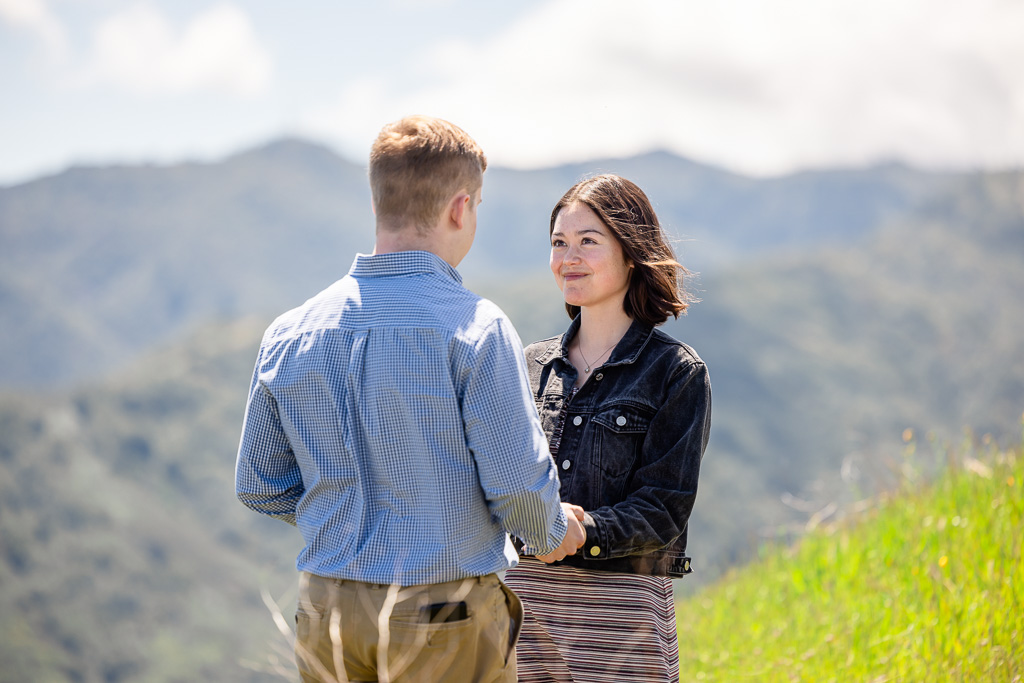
x,y
656,280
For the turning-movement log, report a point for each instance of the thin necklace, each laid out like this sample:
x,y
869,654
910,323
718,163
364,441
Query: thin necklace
x,y
579,347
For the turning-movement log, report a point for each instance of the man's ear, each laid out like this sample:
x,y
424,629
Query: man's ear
x,y
457,208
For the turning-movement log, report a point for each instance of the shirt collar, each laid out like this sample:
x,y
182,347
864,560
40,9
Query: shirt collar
x,y
626,351
400,263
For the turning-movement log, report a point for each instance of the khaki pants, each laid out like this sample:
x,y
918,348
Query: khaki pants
x,y
354,631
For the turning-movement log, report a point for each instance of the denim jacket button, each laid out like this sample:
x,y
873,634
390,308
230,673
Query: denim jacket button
x,y
577,420
595,551
599,376
566,464
621,421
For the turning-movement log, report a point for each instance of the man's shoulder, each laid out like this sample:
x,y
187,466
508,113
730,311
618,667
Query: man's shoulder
x,y
483,319
443,306
325,301
486,311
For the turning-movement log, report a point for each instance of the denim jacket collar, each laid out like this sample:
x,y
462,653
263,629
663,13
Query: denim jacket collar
x,y
625,352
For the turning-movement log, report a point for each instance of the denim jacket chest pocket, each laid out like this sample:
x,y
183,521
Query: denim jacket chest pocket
x,y
548,408
619,433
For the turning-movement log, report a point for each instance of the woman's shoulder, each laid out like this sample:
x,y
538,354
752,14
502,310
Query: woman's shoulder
x,y
544,348
666,343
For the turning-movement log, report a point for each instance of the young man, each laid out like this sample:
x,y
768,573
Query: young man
x,y
390,419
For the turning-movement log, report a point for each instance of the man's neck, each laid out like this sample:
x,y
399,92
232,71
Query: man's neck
x,y
408,239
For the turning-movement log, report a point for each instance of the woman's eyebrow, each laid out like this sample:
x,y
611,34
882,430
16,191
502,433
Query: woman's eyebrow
x,y
581,231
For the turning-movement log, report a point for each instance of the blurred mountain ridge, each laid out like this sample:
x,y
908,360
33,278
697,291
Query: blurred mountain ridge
x,y
96,264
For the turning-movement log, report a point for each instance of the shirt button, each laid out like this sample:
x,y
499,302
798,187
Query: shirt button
x,y
621,421
595,551
599,376
577,420
566,464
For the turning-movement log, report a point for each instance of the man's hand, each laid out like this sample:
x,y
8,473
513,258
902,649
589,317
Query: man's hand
x,y
575,535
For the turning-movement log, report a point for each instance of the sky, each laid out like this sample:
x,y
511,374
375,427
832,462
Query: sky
x,y
760,87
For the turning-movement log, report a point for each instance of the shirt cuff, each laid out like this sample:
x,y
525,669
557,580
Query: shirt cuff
x,y
554,539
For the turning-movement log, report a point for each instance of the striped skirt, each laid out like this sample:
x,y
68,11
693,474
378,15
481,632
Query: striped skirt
x,y
584,626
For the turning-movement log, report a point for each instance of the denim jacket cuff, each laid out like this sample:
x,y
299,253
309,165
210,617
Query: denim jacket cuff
x,y
595,547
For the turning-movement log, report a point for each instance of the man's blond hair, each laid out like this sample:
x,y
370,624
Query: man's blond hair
x,y
416,165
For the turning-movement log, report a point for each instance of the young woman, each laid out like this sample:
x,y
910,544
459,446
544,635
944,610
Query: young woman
x,y
627,412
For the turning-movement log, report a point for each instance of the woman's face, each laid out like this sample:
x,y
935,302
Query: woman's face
x,y
586,259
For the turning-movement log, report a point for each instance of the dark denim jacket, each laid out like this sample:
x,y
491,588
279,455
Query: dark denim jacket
x,y
631,445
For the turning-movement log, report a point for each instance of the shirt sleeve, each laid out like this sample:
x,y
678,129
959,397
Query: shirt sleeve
x,y
503,432
267,476
663,489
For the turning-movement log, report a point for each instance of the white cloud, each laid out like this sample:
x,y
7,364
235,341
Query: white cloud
x,y
139,50
35,16
757,86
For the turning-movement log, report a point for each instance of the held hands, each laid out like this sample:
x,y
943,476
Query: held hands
x,y
575,535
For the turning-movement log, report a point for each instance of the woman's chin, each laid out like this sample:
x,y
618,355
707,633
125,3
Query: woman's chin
x,y
573,297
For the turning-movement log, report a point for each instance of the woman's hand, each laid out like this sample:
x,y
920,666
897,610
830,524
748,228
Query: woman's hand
x,y
574,509
575,535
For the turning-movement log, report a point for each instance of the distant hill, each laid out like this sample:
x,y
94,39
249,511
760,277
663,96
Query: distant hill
x,y
97,264
123,554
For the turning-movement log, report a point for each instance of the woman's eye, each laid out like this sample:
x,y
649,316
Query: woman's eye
x,y
557,243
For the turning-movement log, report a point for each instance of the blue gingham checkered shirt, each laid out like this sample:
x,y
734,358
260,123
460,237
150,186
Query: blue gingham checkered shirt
x,y
390,419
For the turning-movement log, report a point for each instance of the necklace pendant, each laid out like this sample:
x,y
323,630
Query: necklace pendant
x,y
586,369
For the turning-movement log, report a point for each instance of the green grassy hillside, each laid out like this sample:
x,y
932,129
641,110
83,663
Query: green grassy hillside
x,y
925,585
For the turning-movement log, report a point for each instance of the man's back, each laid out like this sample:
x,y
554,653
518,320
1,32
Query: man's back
x,y
388,385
